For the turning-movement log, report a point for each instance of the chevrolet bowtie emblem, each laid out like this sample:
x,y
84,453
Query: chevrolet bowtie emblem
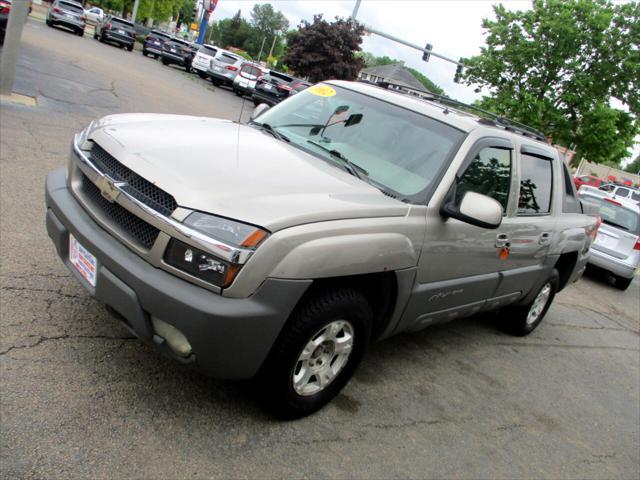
x,y
109,188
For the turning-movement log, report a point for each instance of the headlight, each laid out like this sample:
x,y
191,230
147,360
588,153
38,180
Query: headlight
x,y
227,231
204,265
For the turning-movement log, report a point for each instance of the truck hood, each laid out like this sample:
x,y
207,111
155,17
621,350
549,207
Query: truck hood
x,y
236,171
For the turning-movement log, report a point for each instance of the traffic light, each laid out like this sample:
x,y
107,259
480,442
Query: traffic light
x,y
458,76
194,14
426,55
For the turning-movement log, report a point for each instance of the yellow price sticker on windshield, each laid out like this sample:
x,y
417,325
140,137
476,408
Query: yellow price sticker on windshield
x,y
322,90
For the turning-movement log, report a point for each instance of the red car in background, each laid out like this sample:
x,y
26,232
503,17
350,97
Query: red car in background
x,y
587,180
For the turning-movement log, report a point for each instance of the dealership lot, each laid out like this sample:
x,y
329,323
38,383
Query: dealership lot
x,y
82,398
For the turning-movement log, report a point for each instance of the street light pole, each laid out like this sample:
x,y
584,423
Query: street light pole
x,y
134,12
17,19
355,9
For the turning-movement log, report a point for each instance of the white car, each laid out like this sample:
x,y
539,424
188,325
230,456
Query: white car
x,y
94,15
248,75
617,245
203,58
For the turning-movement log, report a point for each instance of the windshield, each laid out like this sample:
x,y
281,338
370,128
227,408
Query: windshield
x,y
208,50
616,215
71,6
395,148
119,21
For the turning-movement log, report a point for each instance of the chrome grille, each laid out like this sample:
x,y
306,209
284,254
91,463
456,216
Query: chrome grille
x,y
137,187
136,229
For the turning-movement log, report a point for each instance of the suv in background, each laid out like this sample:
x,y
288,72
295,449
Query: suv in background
x,y
153,43
248,75
202,59
281,248
177,52
617,245
224,67
628,193
273,88
67,13
116,30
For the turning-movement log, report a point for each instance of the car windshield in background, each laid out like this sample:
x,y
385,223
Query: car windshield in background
x,y
120,22
390,146
281,77
224,58
208,50
160,35
71,6
616,215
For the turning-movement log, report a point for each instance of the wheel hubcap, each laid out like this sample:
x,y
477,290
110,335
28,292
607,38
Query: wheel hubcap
x,y
323,358
538,304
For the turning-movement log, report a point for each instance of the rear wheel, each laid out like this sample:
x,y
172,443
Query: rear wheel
x,y
144,53
81,33
317,352
215,82
523,319
164,61
49,23
101,38
202,75
130,48
622,283
95,35
238,92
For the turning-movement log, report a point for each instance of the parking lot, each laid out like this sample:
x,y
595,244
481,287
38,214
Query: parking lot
x,y
82,398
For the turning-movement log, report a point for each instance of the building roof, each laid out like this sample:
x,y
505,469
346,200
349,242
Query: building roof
x,y
397,73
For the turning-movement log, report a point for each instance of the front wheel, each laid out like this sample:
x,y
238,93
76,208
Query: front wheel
x,y
523,319
317,352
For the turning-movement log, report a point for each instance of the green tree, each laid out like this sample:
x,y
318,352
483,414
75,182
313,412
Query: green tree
x,y
322,50
557,66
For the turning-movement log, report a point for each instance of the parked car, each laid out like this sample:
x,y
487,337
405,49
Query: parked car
x,y
278,250
153,43
5,9
202,59
626,192
94,15
587,180
617,245
116,30
224,67
273,88
248,75
67,13
177,52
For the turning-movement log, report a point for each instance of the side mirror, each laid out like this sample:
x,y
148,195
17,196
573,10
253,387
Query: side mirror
x,y
259,110
475,209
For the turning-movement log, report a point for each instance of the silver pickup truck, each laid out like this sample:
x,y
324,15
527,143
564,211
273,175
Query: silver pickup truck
x,y
278,250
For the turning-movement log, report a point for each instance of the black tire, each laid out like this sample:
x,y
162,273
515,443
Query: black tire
x,y
217,83
309,318
164,61
130,48
239,93
81,33
49,23
95,35
622,283
187,68
144,53
256,102
101,38
514,319
202,75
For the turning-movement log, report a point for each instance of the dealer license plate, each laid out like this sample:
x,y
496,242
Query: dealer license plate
x,y
267,87
83,261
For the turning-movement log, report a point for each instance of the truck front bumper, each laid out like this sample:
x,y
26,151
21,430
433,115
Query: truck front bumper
x,y
230,338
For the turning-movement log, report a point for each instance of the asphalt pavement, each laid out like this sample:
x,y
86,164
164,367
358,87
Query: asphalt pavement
x,y
81,398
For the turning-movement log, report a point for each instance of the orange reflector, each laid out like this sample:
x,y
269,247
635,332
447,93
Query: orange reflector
x,y
254,238
230,274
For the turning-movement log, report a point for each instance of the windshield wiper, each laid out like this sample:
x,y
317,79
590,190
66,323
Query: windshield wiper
x,y
351,167
268,128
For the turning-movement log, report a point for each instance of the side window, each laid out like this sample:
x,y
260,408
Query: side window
x,y
489,174
622,192
536,185
570,202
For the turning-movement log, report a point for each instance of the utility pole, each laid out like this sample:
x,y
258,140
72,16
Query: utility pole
x,y
17,19
134,12
355,9
273,44
260,54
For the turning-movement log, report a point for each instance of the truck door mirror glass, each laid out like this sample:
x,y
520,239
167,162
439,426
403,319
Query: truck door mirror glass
x,y
475,209
259,110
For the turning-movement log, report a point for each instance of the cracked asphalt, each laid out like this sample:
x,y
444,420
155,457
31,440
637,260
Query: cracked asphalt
x,y
81,398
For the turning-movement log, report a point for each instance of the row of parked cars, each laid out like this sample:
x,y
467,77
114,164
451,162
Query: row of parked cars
x,y
221,66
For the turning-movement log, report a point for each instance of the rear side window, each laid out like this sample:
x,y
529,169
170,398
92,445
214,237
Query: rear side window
x,y
622,192
536,181
570,202
635,196
489,174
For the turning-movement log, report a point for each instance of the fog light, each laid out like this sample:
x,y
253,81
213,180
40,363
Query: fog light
x,y
174,337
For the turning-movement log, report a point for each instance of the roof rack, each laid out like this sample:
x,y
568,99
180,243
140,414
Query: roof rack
x,y
487,117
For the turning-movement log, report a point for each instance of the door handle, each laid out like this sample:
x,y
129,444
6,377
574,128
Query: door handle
x,y
545,238
502,240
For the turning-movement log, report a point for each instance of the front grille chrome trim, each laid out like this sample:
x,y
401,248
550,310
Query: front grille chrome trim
x,y
163,223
